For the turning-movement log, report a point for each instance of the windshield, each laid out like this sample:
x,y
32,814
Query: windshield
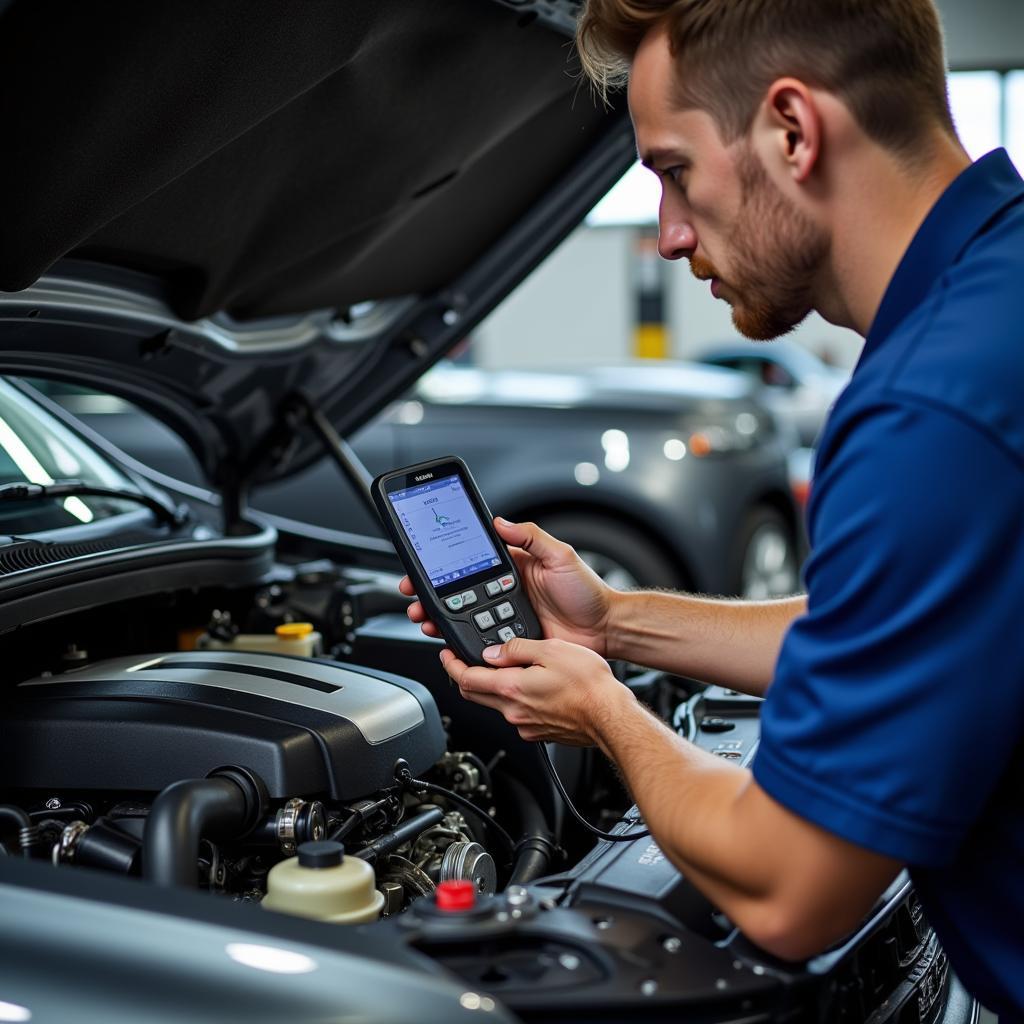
x,y
37,448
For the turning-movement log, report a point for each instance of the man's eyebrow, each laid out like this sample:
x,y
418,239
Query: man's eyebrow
x,y
653,156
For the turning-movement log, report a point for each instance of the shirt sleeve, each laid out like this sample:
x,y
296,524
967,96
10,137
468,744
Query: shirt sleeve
x,y
898,699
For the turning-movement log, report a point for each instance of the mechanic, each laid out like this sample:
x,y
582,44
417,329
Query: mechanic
x,y
809,161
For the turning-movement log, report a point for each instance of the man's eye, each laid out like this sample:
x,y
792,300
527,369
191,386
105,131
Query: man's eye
x,y
674,174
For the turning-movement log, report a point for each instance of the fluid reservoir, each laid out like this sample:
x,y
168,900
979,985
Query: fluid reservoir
x,y
289,638
322,883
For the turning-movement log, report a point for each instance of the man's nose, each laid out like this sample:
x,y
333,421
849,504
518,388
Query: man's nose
x,y
676,236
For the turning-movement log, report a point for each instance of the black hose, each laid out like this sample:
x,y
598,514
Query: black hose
x,y
536,850
407,830
180,817
27,832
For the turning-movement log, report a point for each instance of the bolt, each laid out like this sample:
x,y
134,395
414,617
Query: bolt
x,y
758,969
721,984
672,944
450,317
517,896
53,803
569,961
648,987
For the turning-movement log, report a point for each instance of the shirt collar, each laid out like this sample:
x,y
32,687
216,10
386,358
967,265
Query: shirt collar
x,y
976,195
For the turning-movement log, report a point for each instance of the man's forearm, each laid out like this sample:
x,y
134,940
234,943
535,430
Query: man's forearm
x,y
732,643
790,886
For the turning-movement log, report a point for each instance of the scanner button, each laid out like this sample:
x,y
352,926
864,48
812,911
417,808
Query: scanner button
x,y
468,598
483,620
506,633
505,611
493,588
507,582
455,602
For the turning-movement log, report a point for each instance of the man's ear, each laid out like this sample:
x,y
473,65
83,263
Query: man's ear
x,y
791,121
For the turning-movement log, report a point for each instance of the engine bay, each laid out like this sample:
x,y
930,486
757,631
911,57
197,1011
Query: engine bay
x,y
176,740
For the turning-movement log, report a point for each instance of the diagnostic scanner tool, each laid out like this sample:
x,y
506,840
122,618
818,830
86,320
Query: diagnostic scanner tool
x,y
463,574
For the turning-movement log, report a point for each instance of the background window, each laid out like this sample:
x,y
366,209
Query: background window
x,y
1015,117
976,99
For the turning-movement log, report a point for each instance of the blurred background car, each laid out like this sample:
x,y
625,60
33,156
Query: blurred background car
x,y
659,474
797,385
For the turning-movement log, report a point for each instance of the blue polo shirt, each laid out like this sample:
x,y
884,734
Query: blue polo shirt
x,y
896,716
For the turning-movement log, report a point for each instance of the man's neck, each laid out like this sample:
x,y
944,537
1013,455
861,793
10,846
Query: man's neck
x,y
882,205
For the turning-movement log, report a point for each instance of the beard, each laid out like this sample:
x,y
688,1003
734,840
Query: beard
x,y
777,253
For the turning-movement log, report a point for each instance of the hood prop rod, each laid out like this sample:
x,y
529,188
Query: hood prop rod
x,y
338,448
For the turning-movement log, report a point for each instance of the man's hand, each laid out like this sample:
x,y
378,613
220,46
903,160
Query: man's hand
x,y
549,689
571,601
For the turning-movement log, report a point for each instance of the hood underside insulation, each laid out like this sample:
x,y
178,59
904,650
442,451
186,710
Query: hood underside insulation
x,y
271,158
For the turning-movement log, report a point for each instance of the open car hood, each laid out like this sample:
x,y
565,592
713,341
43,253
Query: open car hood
x,y
233,214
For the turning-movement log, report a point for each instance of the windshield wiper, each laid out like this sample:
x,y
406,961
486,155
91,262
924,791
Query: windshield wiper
x,y
173,515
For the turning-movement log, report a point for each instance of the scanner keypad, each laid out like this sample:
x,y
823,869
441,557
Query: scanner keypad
x,y
494,620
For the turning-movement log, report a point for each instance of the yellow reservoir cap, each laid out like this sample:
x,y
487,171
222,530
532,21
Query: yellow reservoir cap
x,y
293,630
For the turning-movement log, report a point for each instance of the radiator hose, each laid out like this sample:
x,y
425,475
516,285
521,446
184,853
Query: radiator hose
x,y
28,833
536,851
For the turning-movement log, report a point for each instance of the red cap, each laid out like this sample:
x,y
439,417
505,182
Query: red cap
x,y
456,895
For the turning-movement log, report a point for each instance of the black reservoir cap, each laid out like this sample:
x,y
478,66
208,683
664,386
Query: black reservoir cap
x,y
321,854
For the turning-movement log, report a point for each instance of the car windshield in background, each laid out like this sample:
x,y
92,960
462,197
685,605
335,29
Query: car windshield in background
x,y
37,448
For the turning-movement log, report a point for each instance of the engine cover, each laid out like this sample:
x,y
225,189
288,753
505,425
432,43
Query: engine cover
x,y
306,727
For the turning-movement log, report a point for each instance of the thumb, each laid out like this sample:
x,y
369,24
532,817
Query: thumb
x,y
519,651
549,551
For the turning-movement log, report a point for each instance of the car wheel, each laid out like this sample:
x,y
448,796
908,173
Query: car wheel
x,y
617,552
767,564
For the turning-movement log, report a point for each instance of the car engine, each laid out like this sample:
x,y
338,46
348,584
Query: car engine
x,y
249,755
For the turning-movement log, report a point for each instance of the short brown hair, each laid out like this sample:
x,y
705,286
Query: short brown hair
x,y
884,58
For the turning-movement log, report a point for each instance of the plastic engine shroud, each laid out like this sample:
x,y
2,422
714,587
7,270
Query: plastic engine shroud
x,y
305,726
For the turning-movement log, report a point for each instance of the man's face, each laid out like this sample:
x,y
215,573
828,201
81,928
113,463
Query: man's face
x,y
720,209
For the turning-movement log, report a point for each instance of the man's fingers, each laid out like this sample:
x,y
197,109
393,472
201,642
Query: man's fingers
x,y
486,700
515,652
418,613
472,678
479,685
530,537
406,587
